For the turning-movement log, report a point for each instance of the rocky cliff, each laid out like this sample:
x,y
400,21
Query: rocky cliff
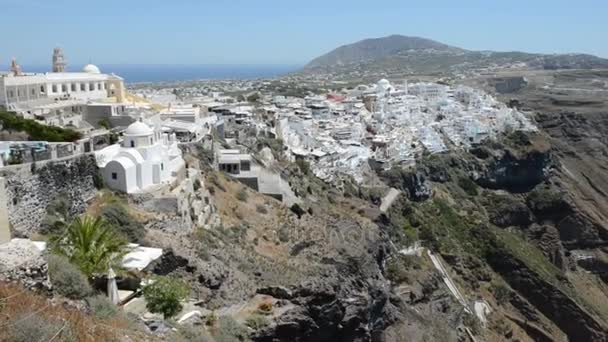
x,y
32,187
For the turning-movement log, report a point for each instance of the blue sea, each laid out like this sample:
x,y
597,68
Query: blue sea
x,y
133,73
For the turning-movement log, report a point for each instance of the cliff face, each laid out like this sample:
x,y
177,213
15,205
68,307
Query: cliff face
x,y
31,188
509,206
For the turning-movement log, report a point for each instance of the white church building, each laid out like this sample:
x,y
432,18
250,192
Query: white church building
x,y
146,159
58,97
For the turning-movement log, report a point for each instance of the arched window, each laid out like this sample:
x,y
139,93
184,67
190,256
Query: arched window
x,y
132,143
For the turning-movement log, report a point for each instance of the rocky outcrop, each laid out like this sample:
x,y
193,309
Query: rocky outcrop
x,y
515,172
327,311
31,189
558,306
414,183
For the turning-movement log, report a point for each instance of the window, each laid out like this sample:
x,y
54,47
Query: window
x,y
64,88
42,91
73,87
132,143
91,86
103,86
33,91
11,93
162,166
114,176
98,86
151,141
54,88
83,87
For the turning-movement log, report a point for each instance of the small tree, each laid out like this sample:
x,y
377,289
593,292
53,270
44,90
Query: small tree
x,y
164,296
92,245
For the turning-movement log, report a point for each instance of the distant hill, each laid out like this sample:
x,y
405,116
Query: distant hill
x,y
377,48
419,55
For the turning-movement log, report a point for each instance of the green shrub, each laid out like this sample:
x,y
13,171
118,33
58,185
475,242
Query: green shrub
x,y
57,216
105,123
242,195
28,328
256,321
37,131
373,195
229,330
545,199
117,216
501,292
211,319
468,186
164,296
253,97
303,165
67,279
101,307
194,333
397,268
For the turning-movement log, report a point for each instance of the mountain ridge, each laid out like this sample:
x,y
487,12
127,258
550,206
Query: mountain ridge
x,y
421,54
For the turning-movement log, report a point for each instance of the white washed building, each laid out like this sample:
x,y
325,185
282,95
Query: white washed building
x,y
146,158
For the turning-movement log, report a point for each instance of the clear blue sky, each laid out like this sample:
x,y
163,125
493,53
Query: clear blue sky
x,y
286,31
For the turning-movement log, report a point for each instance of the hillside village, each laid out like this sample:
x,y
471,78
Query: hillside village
x,y
270,209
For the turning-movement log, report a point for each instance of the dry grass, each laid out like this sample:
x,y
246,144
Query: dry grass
x,y
17,303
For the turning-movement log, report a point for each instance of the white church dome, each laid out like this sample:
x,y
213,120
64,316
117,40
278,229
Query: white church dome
x,y
384,84
139,128
91,69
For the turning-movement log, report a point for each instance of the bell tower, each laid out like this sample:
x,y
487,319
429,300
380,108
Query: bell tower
x,y
58,60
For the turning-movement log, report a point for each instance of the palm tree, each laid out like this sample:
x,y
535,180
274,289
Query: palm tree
x,y
92,245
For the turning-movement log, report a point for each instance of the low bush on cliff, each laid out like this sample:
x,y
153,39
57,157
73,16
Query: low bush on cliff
x,y
256,321
66,278
101,307
468,186
35,130
57,217
544,199
28,328
229,330
119,217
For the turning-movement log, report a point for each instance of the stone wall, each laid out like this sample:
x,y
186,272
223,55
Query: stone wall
x,y
31,189
182,210
5,233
